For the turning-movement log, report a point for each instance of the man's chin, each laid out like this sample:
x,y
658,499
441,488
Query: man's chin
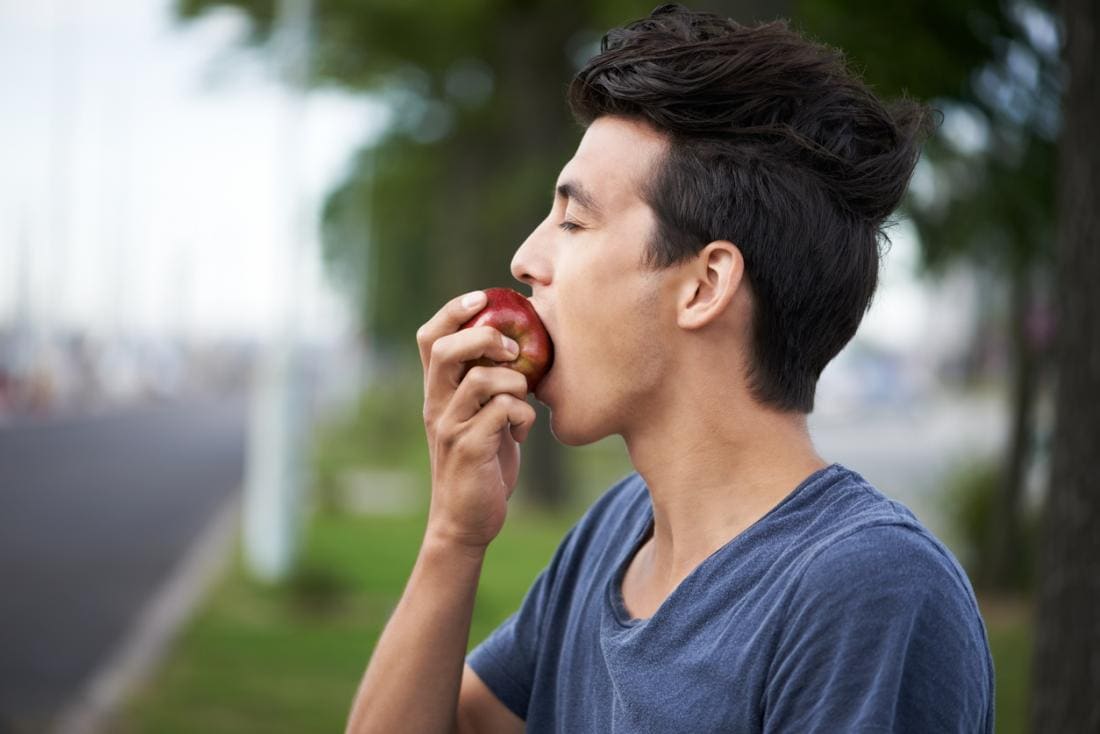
x,y
571,435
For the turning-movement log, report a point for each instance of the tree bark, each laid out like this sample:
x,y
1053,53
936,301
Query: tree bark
x,y
1066,673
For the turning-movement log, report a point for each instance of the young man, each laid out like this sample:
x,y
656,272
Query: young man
x,y
711,246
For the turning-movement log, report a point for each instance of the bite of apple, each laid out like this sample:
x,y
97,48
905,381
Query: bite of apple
x,y
513,315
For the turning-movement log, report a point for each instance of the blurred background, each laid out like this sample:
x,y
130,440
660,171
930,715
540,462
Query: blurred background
x,y
222,221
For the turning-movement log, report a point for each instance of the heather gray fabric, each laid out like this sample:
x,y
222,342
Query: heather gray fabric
x,y
836,612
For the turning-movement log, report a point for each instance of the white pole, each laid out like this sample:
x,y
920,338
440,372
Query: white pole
x,y
276,470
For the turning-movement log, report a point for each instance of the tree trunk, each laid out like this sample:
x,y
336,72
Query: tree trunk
x,y
1066,673
1004,559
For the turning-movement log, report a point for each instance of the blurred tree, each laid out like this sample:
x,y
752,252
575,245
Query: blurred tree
x,y
465,170
1066,673
992,66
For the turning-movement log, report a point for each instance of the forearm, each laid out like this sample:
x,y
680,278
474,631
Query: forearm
x,y
412,681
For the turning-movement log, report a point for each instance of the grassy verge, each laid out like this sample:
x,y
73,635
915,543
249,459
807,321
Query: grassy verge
x,y
287,659
1009,624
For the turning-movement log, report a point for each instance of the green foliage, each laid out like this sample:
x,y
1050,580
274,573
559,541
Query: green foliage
x,y
926,50
970,497
982,62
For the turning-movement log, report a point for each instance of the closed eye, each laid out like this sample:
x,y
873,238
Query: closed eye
x,y
569,226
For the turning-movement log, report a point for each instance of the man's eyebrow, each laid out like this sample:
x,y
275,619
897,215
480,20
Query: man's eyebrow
x,y
575,191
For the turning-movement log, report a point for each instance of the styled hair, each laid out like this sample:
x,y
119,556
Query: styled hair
x,y
776,146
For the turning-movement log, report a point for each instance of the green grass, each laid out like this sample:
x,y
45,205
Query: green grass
x,y
288,659
1010,637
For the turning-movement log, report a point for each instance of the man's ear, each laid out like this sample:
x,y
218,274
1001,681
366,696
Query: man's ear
x,y
708,284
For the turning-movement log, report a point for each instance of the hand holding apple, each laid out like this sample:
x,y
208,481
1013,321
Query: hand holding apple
x,y
513,315
475,416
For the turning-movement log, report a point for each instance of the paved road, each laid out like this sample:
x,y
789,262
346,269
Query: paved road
x,y
94,514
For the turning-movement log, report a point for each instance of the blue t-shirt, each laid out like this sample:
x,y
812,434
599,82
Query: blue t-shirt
x,y
835,612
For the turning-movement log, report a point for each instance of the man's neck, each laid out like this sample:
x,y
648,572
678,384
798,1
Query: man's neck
x,y
713,468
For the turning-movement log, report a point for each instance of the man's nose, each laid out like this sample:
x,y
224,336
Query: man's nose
x,y
530,264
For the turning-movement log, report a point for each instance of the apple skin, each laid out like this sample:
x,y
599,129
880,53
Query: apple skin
x,y
513,315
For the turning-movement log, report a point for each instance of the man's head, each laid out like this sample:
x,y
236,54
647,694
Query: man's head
x,y
752,145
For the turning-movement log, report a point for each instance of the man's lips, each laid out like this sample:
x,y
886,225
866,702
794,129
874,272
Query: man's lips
x,y
541,311
540,389
542,317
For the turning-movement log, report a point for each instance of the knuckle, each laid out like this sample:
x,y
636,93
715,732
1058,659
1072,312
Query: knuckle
x,y
500,401
422,335
489,337
479,376
447,439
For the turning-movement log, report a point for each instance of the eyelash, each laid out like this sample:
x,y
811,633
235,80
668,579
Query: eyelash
x,y
569,226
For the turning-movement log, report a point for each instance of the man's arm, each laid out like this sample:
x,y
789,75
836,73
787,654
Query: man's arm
x,y
413,682
481,712
474,420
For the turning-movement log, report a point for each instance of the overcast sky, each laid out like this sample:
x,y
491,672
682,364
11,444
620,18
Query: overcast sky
x,y
142,170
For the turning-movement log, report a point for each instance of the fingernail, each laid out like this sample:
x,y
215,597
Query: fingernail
x,y
474,298
510,345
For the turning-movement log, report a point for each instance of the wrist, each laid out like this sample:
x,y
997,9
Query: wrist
x,y
443,542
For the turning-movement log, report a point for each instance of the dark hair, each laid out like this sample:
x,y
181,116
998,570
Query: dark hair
x,y
776,146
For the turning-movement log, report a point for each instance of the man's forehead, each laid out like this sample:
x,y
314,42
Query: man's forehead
x,y
613,162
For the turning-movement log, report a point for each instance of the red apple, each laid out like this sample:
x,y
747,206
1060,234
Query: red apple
x,y
513,315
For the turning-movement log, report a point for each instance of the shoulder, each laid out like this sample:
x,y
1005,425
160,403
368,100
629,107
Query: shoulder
x,y
847,528
873,544
874,572
883,607
893,570
891,592
885,549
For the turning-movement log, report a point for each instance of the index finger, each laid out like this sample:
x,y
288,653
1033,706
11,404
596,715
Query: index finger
x,y
447,320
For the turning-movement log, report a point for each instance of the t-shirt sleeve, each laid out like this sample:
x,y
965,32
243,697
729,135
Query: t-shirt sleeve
x,y
505,661
881,635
